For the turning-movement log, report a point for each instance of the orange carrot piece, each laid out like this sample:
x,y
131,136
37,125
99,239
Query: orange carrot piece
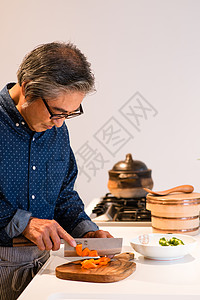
x,y
88,264
85,252
97,261
84,262
93,253
94,263
79,249
105,259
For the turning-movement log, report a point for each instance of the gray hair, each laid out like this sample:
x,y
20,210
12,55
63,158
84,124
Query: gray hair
x,y
55,68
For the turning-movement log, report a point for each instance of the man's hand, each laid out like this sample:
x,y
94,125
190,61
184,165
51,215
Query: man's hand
x,y
98,234
46,234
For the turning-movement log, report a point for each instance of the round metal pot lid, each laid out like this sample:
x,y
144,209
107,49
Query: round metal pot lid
x,y
129,165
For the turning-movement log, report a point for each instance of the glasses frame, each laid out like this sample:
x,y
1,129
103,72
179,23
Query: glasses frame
x,y
76,113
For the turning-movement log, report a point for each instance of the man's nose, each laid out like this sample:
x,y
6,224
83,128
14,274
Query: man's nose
x,y
58,122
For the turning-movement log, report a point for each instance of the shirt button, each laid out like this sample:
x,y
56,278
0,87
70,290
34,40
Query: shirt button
x,y
34,167
33,139
23,123
33,196
17,124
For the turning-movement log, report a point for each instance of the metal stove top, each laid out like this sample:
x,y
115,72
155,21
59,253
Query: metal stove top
x,y
120,211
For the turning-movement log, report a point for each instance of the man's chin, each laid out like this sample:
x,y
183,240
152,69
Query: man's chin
x,y
47,127
42,128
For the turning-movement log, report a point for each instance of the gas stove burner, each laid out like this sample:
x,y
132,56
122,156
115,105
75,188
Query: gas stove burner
x,y
109,198
126,214
122,209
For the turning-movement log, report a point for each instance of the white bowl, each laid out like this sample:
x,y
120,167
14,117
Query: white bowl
x,y
148,245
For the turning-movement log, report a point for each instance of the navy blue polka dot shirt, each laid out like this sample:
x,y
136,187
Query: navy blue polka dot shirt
x,y
37,175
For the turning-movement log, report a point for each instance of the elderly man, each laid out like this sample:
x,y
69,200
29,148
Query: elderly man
x,y
37,165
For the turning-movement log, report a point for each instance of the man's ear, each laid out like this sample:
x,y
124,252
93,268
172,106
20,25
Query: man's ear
x,y
23,87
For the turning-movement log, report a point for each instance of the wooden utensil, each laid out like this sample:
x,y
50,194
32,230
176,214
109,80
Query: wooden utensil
x,y
117,269
181,188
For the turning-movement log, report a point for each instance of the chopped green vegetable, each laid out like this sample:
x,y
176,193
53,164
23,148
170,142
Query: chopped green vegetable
x,y
172,242
163,242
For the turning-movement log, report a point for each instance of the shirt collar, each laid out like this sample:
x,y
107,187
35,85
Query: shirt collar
x,y
14,115
12,110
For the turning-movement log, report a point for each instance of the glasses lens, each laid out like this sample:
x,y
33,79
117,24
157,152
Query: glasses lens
x,y
76,113
57,117
73,115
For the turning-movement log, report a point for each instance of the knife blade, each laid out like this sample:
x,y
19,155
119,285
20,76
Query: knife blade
x,y
104,246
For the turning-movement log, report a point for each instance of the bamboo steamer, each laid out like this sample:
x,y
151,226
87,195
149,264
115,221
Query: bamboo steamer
x,y
175,213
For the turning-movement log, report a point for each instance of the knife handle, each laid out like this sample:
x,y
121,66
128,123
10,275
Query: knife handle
x,y
22,241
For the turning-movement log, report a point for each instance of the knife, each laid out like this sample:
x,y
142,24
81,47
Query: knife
x,y
104,246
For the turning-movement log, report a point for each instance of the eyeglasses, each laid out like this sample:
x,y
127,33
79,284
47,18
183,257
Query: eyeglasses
x,y
75,113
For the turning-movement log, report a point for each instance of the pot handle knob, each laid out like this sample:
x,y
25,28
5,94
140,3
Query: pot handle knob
x,y
128,176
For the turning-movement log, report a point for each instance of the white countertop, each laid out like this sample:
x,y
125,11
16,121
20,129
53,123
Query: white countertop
x,y
179,279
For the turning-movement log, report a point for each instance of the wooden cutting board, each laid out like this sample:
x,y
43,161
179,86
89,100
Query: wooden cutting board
x,y
117,269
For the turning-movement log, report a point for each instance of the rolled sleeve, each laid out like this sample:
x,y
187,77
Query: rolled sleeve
x,y
18,223
83,227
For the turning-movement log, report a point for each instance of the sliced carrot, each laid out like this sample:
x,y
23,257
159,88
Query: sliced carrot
x,y
104,258
85,262
94,263
97,261
79,249
88,264
85,252
93,253
104,261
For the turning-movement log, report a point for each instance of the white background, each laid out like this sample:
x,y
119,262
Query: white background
x,y
146,46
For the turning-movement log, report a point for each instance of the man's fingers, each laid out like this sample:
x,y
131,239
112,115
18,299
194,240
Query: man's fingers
x,y
98,234
51,236
38,240
46,234
55,238
67,237
47,242
103,234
